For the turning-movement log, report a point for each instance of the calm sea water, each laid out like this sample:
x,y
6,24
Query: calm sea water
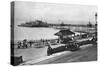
x,y
34,33
21,33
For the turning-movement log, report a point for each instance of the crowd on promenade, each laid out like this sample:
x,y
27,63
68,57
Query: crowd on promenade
x,y
42,43
35,43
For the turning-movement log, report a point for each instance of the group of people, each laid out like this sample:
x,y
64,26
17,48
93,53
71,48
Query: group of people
x,y
24,44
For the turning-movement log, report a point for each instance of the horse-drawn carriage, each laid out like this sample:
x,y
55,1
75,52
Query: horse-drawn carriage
x,y
27,44
24,44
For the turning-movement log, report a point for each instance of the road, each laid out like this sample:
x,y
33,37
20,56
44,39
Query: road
x,y
84,54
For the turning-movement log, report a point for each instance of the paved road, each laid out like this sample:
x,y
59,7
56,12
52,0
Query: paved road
x,y
86,54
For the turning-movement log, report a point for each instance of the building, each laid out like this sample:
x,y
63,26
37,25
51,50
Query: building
x,y
64,35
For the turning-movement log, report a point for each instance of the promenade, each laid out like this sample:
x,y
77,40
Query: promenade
x,y
86,53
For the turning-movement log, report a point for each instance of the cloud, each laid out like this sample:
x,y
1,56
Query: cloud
x,y
29,11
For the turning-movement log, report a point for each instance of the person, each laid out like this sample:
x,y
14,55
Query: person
x,y
49,49
30,43
19,44
25,43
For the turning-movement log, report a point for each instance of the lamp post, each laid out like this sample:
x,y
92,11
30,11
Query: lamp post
x,y
96,21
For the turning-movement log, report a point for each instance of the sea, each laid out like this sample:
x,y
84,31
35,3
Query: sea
x,y
37,33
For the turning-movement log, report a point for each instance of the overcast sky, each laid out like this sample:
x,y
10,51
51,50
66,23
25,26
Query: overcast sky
x,y
54,13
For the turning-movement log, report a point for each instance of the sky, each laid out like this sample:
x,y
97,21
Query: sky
x,y
54,13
